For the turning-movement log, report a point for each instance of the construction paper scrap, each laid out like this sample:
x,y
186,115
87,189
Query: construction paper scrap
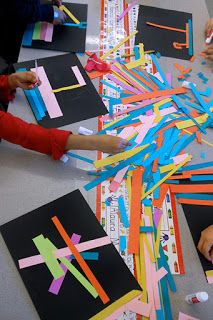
x,y
28,35
49,32
135,211
181,157
189,123
200,177
83,246
122,210
183,316
84,266
37,31
48,96
56,284
209,273
118,45
67,11
78,75
43,30
130,6
154,94
46,251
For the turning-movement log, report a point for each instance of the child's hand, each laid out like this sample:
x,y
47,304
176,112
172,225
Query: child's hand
x,y
209,27
104,143
205,245
59,16
110,144
209,52
25,80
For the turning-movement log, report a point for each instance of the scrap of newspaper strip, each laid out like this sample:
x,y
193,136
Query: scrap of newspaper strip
x,y
107,205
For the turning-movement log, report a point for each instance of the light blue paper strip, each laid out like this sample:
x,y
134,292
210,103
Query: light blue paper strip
x,y
207,177
123,213
76,156
28,35
191,49
197,166
122,243
197,196
146,229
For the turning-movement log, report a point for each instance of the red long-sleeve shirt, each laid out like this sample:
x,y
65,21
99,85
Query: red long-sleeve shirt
x,y
30,136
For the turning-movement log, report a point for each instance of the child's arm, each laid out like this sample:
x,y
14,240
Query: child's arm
x,y
205,245
53,141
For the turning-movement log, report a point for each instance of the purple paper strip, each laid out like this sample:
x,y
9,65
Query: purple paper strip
x,y
134,3
57,283
157,215
169,78
43,30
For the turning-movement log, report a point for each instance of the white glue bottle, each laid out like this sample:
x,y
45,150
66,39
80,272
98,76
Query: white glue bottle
x,y
197,297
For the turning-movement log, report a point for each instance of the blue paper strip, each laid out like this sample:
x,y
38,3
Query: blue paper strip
x,y
122,243
28,35
146,229
123,214
197,196
207,177
76,156
191,49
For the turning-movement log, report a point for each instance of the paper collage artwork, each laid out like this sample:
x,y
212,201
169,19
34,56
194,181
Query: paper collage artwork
x,y
69,37
82,270
64,94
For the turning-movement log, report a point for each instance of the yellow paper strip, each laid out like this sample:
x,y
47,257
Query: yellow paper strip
x,y
189,123
204,141
129,185
118,45
113,122
141,51
143,270
134,80
167,168
157,242
138,62
167,176
116,305
138,268
66,88
149,249
67,11
118,157
162,102
209,273
121,78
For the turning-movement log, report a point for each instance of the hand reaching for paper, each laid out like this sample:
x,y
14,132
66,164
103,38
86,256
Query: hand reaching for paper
x,y
25,80
209,27
59,16
205,245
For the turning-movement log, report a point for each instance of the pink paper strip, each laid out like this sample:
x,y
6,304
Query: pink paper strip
x,y
134,3
57,283
123,85
149,113
141,105
157,215
144,130
49,32
180,158
161,273
114,185
78,75
63,252
133,82
135,305
48,96
169,78
126,132
43,30
183,316
210,279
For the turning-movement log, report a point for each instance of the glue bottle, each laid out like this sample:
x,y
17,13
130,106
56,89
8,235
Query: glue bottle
x,y
197,297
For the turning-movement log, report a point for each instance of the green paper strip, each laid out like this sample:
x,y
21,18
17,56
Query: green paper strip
x,y
46,250
37,31
85,283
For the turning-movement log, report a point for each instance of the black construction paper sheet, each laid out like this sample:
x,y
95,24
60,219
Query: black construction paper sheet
x,y
76,104
66,38
162,40
73,301
198,219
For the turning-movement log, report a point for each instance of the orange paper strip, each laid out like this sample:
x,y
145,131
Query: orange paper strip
x,y
154,94
165,27
192,188
88,272
163,191
196,201
135,211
